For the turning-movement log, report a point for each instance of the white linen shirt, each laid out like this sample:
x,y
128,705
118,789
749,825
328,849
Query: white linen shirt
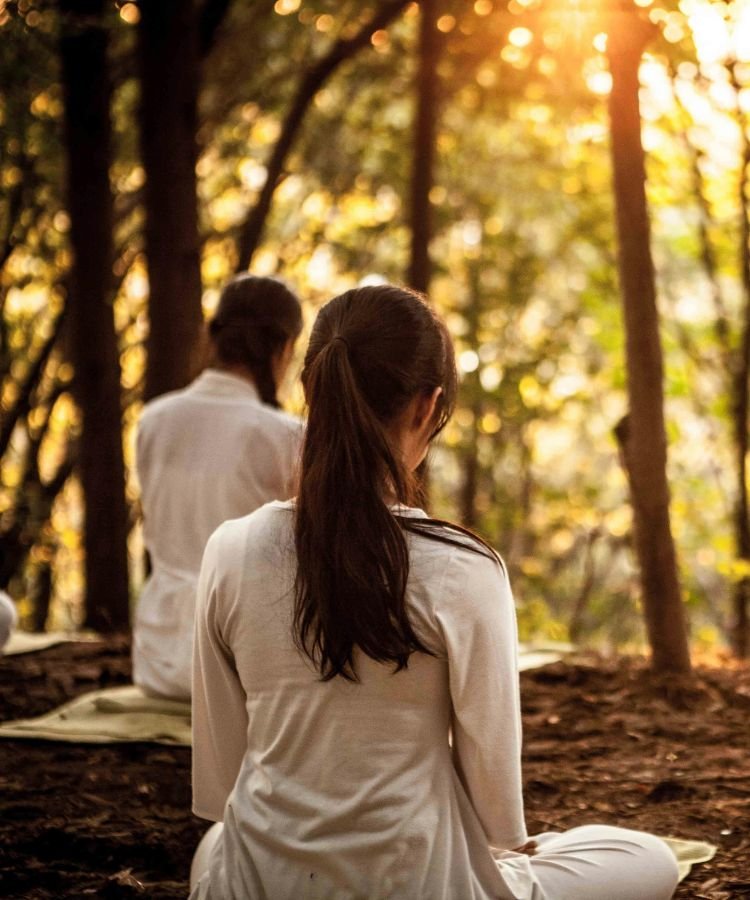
x,y
8,618
352,790
210,452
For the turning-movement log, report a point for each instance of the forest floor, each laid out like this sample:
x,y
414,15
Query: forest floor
x,y
604,742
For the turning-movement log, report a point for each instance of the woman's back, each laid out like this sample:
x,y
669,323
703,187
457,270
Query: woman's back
x,y
349,788
209,453
340,641
215,450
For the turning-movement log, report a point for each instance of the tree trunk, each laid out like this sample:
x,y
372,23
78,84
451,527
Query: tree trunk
x,y
420,213
423,159
41,596
93,340
470,480
168,50
645,445
473,399
575,628
741,404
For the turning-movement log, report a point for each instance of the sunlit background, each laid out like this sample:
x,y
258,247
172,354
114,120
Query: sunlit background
x,y
524,256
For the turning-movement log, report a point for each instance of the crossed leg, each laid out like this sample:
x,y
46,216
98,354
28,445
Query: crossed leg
x,y
601,862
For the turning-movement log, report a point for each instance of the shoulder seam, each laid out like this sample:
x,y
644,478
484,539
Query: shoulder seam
x,y
440,594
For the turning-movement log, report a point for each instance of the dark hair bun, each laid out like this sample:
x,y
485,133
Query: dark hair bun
x,y
254,319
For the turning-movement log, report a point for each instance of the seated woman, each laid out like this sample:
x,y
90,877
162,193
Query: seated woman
x,y
216,450
356,722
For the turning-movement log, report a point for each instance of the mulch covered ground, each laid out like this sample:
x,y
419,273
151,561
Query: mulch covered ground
x,y
604,742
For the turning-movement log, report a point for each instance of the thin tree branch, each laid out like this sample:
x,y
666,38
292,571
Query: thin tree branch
x,y
16,542
16,200
210,17
22,406
311,82
705,224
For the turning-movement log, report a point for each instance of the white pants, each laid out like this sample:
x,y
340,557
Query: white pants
x,y
601,862
593,862
8,618
203,852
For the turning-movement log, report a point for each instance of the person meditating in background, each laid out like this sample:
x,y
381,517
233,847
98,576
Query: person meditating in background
x,y
356,721
216,450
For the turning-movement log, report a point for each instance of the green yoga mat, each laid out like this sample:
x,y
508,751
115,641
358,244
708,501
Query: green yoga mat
x,y
689,853
110,716
28,642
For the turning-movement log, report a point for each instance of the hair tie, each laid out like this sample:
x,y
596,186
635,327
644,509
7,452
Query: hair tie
x,y
342,339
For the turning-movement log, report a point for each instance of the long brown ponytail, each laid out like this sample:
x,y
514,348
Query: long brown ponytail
x,y
371,351
254,319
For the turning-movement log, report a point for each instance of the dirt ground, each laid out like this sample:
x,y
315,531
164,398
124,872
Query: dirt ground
x,y
603,742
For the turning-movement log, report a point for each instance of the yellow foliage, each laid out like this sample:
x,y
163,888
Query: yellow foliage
x,y
619,521
490,423
531,391
530,565
735,570
265,131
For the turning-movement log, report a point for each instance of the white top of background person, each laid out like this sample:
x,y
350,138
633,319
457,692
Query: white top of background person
x,y
8,618
343,637
216,450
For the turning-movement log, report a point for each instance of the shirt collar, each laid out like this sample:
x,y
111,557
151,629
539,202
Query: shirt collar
x,y
398,509
219,383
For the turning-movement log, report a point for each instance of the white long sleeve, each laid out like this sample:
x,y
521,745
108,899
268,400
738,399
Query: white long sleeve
x,y
219,725
478,624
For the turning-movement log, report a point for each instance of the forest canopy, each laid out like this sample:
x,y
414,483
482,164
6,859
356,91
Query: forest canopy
x,y
314,131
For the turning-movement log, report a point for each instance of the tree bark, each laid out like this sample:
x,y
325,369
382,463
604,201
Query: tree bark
x,y
251,231
93,340
741,403
210,17
169,67
645,444
473,399
423,158
575,628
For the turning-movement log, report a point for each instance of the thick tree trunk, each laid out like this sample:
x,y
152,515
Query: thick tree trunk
x,y
741,404
423,159
168,49
422,176
93,340
645,446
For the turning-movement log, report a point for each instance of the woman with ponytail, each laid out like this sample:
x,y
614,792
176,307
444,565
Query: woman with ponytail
x,y
216,450
356,721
